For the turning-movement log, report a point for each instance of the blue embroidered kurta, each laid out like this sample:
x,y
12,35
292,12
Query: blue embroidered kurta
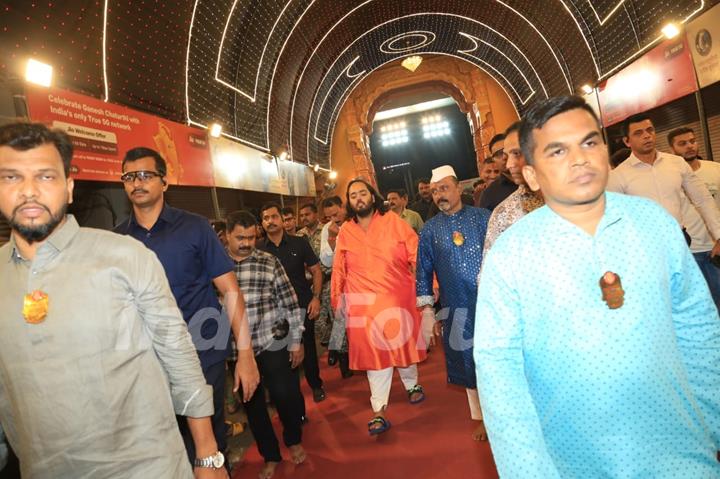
x,y
457,270
572,389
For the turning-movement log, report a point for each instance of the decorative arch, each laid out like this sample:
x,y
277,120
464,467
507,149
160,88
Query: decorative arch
x,y
474,91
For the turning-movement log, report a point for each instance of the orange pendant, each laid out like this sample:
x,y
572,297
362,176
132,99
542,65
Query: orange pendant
x,y
458,238
35,307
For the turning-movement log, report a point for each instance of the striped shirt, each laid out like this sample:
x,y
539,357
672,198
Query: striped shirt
x,y
274,315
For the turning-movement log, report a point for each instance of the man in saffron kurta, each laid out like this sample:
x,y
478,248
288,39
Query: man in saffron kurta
x,y
451,246
373,278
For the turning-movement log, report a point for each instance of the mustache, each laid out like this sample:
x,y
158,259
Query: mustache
x,y
30,203
138,190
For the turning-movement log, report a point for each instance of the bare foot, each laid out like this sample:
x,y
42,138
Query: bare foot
x,y
480,434
297,454
268,471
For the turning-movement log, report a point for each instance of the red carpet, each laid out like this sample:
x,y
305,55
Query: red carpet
x,y
428,440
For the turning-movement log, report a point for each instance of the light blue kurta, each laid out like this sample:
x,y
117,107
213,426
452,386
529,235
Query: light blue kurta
x,y
572,389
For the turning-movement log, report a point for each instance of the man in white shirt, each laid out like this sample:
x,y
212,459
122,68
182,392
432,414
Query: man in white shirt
x,y
683,143
662,177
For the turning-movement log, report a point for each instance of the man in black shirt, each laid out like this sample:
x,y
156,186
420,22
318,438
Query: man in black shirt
x,y
424,201
296,254
503,186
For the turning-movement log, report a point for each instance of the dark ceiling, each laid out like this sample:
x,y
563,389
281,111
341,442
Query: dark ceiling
x,y
277,72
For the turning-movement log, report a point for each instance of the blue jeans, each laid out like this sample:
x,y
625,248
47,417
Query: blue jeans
x,y
711,274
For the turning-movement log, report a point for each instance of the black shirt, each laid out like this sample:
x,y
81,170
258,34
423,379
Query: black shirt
x,y
294,253
496,193
422,207
192,257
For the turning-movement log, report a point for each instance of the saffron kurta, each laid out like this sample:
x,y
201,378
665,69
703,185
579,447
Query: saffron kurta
x,y
451,246
373,272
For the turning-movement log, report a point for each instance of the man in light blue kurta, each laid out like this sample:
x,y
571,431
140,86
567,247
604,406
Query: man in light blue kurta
x,y
570,387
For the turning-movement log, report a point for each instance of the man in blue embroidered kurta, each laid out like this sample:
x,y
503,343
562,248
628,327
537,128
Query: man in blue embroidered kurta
x,y
451,246
570,386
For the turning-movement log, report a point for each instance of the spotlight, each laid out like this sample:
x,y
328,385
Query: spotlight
x,y
284,155
316,168
215,130
670,30
587,89
38,72
332,175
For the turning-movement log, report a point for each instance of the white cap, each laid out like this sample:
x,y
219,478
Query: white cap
x,y
442,172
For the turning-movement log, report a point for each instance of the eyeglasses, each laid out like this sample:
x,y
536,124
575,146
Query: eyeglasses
x,y
499,154
142,175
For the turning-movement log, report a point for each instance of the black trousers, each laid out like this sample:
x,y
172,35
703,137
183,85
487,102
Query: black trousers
x,y
283,384
310,361
215,377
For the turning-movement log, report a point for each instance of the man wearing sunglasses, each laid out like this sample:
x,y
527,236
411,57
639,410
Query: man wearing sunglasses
x,y
503,186
194,260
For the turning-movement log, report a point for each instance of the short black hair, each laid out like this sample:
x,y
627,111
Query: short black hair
x,y
540,113
478,182
378,200
637,118
23,136
513,128
422,180
495,139
270,205
287,211
241,218
312,206
398,191
332,201
677,132
135,154
488,161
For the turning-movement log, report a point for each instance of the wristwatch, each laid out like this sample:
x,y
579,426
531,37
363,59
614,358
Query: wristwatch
x,y
216,461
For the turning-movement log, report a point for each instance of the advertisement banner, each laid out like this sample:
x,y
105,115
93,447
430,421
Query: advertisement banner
x,y
703,36
660,76
102,132
241,167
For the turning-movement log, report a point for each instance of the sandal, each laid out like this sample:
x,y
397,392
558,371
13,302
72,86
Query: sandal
x,y
382,422
417,389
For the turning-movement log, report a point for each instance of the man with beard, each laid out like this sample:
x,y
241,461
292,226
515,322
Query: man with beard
x,y
194,261
503,186
662,177
373,280
276,325
597,344
670,181
683,143
423,202
450,247
522,201
94,353
296,256
338,345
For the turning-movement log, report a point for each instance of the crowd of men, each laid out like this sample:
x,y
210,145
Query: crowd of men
x,y
582,322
